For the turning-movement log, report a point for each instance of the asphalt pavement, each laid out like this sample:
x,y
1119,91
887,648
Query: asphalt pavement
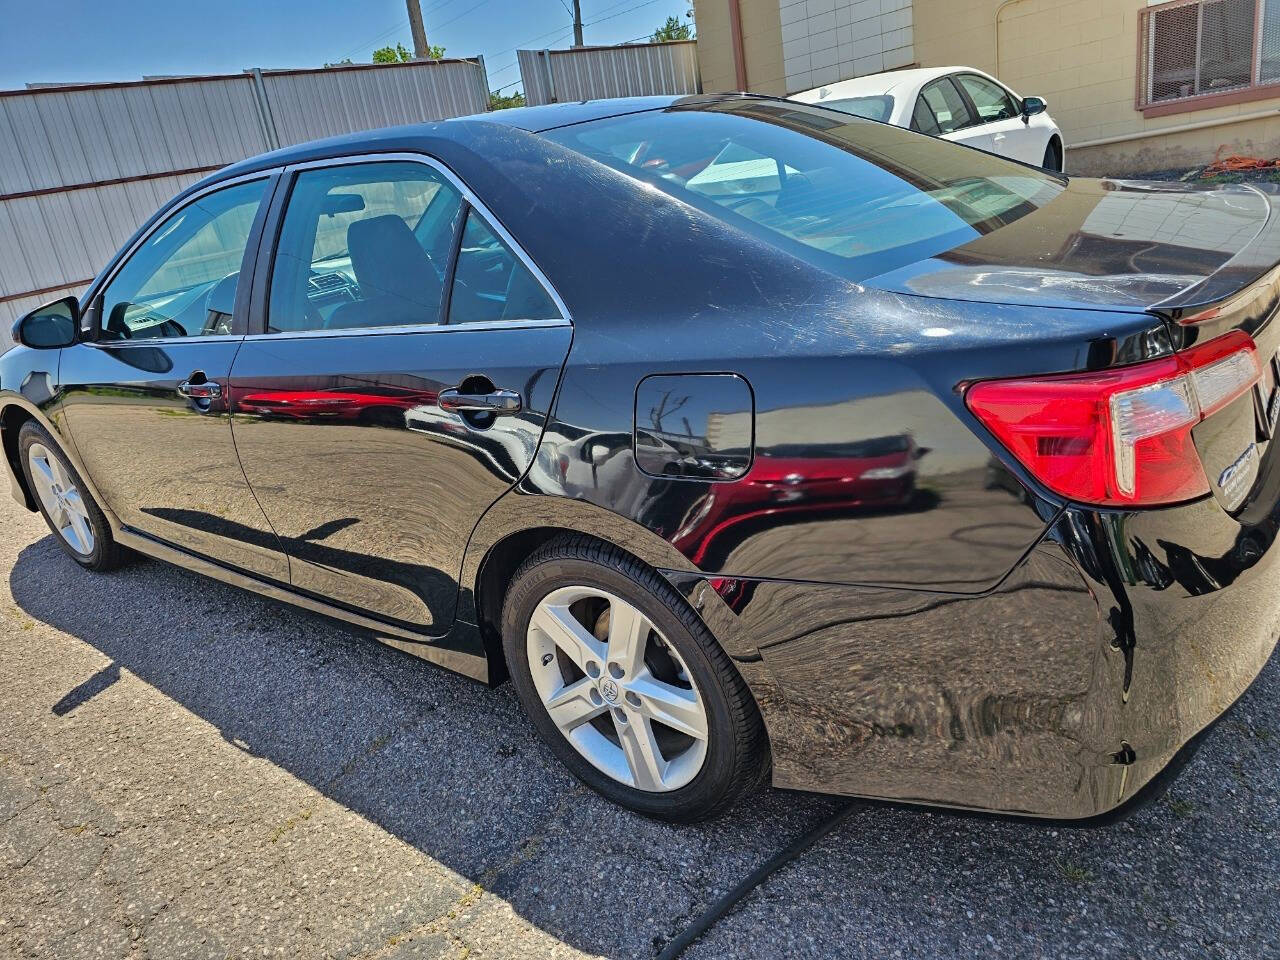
x,y
187,770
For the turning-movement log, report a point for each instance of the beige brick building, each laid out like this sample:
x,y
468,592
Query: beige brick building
x,y
1135,85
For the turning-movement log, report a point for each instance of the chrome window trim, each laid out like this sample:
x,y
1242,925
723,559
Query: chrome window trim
x,y
358,159
392,330
153,341
164,215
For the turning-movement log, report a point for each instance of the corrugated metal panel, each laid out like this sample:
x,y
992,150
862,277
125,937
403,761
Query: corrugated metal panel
x,y
312,104
599,73
50,138
61,148
534,77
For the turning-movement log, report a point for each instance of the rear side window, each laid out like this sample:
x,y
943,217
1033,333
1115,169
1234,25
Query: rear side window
x,y
873,108
850,195
949,109
491,283
365,245
922,120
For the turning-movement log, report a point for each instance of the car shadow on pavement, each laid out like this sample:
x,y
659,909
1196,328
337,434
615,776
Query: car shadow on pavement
x,y
455,770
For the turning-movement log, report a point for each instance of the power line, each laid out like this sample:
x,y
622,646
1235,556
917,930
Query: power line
x,y
515,63
503,69
647,3
464,13
399,26
560,33
404,23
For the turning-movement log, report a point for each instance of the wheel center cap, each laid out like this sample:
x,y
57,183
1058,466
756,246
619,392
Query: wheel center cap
x,y
609,690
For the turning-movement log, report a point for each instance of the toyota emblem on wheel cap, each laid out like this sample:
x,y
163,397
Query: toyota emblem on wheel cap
x,y
609,690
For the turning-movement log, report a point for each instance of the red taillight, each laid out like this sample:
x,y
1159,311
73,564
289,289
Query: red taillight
x,y
1119,437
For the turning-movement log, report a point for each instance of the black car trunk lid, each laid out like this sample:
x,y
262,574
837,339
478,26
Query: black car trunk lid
x,y
1243,294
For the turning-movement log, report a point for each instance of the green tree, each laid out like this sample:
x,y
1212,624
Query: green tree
x,y
498,101
398,54
673,29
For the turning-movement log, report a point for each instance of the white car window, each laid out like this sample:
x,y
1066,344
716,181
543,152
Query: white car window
x,y
949,109
991,100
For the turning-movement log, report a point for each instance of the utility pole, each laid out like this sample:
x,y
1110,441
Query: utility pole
x,y
420,49
577,23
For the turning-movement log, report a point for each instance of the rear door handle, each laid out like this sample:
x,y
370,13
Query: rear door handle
x,y
200,391
495,401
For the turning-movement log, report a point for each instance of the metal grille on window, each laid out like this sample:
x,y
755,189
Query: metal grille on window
x,y
1200,48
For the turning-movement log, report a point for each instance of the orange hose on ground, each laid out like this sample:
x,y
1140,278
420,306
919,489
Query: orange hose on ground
x,y
1238,164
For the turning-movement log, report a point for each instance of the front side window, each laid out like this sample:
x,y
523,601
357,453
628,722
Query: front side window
x,y
1199,48
182,280
855,197
365,245
949,109
991,100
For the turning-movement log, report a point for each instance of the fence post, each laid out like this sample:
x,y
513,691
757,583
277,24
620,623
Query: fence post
x,y
551,80
484,77
264,109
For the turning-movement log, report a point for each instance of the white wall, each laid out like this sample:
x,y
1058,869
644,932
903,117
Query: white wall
x,y
828,40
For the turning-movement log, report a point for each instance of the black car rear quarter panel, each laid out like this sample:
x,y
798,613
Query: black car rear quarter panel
x,y
897,648
891,649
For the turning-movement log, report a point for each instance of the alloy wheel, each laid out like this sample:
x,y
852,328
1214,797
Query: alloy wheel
x,y
61,499
616,689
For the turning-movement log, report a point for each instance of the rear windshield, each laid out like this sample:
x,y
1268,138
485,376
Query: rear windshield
x,y
872,108
853,196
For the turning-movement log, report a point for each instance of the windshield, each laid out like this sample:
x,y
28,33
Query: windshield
x,y
873,108
851,195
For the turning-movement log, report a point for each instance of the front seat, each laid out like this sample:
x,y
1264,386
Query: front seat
x,y
398,283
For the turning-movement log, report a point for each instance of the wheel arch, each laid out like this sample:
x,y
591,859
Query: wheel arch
x,y
1055,141
516,526
13,414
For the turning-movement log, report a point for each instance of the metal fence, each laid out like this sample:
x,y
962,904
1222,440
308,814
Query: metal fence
x,y
599,73
82,166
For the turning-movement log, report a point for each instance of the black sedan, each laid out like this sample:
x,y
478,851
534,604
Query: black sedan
x,y
751,440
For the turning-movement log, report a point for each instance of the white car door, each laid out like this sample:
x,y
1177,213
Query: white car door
x,y
1000,117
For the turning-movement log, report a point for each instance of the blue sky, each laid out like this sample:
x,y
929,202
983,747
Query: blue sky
x,y
94,40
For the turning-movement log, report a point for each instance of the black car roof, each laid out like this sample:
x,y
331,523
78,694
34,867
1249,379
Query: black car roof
x,y
552,115
461,130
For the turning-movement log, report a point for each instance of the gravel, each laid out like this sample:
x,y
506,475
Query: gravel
x,y
187,770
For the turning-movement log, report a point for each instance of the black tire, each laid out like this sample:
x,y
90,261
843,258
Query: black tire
x,y
1053,156
737,760
106,553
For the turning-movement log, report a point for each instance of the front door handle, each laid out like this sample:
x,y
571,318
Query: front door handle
x,y
497,402
200,391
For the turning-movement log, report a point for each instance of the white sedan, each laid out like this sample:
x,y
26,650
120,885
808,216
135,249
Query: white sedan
x,y
955,103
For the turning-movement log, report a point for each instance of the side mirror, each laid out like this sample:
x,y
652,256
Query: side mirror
x,y
49,327
1031,106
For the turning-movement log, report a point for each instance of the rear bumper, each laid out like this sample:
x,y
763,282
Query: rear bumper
x,y
1062,693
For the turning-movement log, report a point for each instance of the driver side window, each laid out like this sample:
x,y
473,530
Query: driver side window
x,y
991,100
182,280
